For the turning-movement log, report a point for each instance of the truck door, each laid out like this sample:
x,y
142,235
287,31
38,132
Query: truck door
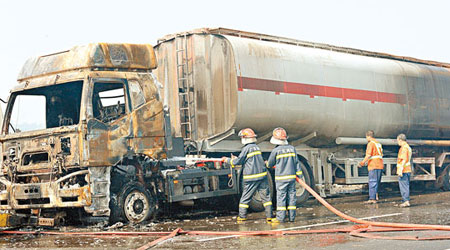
x,y
148,122
108,123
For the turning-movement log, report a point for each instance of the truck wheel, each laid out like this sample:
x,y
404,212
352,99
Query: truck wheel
x,y
136,204
256,204
302,194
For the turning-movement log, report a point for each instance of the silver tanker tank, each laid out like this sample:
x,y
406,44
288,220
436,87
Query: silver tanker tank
x,y
217,80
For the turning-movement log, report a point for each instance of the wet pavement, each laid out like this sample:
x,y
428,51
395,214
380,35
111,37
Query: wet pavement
x,y
430,207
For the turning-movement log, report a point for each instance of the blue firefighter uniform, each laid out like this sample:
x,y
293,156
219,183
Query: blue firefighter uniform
x,y
287,168
254,178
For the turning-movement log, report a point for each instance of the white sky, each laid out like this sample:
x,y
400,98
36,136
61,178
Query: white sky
x,y
31,28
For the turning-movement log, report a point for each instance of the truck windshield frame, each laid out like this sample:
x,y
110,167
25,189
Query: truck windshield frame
x,y
61,106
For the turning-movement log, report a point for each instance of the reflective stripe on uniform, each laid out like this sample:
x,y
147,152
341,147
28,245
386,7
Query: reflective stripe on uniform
x,y
243,205
291,207
252,176
408,159
409,156
253,153
269,203
379,150
299,173
281,208
284,177
285,155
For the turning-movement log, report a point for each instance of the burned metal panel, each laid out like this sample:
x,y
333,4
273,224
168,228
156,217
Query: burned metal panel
x,y
217,86
119,135
59,146
139,131
99,181
149,85
58,193
48,166
107,143
100,55
147,118
214,78
167,75
108,127
148,130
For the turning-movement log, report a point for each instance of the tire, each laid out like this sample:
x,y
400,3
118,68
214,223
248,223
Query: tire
x,y
256,204
301,193
135,204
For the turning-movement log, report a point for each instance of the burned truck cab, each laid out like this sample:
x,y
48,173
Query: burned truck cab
x,y
71,118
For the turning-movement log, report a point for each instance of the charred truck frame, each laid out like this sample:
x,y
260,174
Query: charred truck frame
x,y
104,146
113,124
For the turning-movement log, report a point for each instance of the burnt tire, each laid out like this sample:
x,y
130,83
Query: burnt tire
x,y
301,193
135,204
256,204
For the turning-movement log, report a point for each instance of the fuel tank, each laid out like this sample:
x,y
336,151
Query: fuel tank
x,y
242,79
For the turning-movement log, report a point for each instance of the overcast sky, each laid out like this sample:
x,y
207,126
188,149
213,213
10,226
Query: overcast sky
x,y
31,28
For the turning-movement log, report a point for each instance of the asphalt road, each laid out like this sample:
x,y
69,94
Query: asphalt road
x,y
430,207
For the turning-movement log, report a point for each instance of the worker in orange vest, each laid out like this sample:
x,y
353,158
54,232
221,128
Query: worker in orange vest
x,y
404,169
374,160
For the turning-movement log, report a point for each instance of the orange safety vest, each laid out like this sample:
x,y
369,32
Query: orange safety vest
x,y
375,151
405,153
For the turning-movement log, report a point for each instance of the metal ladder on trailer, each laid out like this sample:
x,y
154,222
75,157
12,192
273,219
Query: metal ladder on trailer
x,y
185,87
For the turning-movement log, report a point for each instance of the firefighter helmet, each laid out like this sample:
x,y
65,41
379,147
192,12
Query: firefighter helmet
x,y
279,136
247,136
247,133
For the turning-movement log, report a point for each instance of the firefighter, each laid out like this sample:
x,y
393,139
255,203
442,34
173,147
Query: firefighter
x,y
404,169
374,160
254,174
287,167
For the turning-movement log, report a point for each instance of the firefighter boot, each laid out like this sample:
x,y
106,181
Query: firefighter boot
x,y
275,221
240,219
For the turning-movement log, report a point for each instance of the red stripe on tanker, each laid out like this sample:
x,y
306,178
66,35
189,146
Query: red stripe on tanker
x,y
319,90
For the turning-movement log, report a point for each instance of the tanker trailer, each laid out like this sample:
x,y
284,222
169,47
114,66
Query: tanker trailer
x,y
218,81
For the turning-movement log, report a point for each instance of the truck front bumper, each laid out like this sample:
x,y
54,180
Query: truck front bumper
x,y
45,195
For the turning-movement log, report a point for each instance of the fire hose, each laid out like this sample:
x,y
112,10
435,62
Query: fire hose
x,y
365,222
360,230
